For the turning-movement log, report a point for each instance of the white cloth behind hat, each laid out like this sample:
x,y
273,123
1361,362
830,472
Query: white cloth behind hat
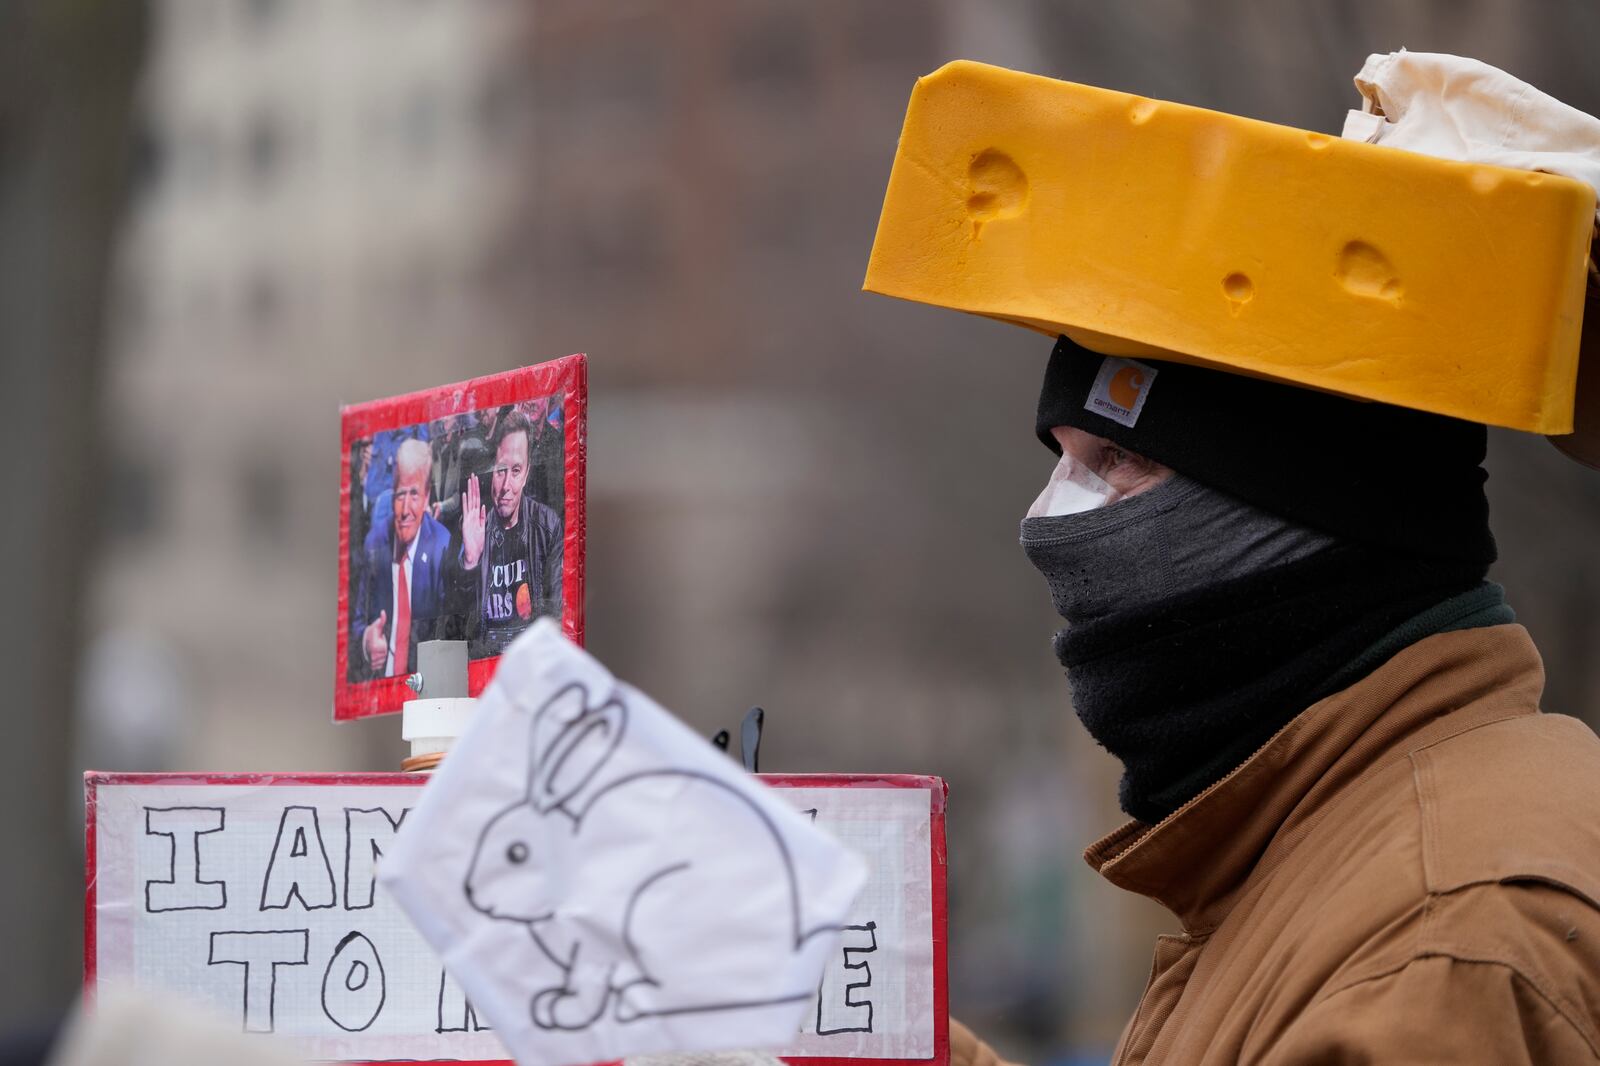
x,y
1457,108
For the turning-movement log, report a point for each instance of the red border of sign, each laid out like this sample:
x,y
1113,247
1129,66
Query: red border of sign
x,y
936,788
570,375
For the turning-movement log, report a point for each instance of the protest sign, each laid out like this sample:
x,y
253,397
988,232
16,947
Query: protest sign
x,y
257,895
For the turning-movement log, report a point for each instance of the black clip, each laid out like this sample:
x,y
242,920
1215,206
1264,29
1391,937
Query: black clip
x,y
749,738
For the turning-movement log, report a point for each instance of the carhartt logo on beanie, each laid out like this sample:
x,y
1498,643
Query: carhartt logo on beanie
x,y
1119,390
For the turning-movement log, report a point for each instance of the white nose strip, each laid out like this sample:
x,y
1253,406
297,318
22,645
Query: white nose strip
x,y
1073,488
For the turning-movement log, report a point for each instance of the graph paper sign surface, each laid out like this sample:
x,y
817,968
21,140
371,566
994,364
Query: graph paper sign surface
x,y
255,894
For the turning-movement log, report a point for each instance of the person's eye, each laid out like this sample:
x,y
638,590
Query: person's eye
x,y
1112,457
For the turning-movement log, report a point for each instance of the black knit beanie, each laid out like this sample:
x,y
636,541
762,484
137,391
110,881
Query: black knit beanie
x,y
1376,474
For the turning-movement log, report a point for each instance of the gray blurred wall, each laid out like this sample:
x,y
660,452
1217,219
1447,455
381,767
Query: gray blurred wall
x,y
67,72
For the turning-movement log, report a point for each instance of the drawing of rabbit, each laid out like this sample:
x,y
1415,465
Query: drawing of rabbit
x,y
658,944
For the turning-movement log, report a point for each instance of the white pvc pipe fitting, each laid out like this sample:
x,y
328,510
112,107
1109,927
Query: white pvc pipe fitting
x,y
433,725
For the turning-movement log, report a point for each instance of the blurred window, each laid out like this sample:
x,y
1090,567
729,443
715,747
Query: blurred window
x,y
505,269
263,302
148,161
137,497
133,315
888,33
420,122
623,70
617,240
264,499
194,18
778,213
200,305
262,14
500,103
198,155
377,127
264,147
775,50
422,285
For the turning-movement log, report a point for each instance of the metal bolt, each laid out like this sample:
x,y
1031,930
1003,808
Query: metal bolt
x,y
414,683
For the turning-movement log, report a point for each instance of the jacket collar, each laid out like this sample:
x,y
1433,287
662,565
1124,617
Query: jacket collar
x,y
1197,861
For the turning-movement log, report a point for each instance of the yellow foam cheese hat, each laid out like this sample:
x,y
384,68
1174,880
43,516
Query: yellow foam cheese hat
x,y
1145,228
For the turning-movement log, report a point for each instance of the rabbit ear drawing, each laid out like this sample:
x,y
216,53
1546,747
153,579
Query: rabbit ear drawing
x,y
557,713
571,741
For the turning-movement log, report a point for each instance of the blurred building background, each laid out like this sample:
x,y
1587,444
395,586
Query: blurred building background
x,y
220,219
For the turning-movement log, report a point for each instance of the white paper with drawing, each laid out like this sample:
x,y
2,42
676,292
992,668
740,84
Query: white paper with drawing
x,y
605,883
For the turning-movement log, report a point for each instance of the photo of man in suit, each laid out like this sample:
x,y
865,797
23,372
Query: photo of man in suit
x,y
402,591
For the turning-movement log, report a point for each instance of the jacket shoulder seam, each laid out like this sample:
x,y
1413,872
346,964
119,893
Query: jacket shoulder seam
x,y
1530,976
1428,826
1540,986
1551,999
1503,714
1434,867
1437,940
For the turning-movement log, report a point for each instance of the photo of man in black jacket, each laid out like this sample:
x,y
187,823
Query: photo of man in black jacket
x,y
509,568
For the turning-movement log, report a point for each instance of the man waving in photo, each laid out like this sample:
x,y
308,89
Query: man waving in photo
x,y
512,563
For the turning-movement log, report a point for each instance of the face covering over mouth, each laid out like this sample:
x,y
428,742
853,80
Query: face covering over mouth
x,y
1141,551
1198,625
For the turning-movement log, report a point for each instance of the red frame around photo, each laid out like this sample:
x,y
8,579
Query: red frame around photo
x,y
568,375
938,867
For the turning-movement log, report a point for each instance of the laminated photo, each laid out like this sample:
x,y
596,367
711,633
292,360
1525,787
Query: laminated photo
x,y
461,518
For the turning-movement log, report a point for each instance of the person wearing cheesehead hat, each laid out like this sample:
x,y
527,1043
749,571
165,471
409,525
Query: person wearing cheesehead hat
x,y
1277,353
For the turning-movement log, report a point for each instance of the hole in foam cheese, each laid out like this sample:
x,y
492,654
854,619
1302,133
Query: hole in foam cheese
x,y
1147,228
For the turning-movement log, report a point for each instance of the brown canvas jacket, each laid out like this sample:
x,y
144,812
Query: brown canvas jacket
x,y
1408,872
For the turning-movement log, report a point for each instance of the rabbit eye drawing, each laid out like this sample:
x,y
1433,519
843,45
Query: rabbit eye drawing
x,y
643,953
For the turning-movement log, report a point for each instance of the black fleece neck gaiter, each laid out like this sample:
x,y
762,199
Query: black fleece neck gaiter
x,y
1142,551
1198,625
